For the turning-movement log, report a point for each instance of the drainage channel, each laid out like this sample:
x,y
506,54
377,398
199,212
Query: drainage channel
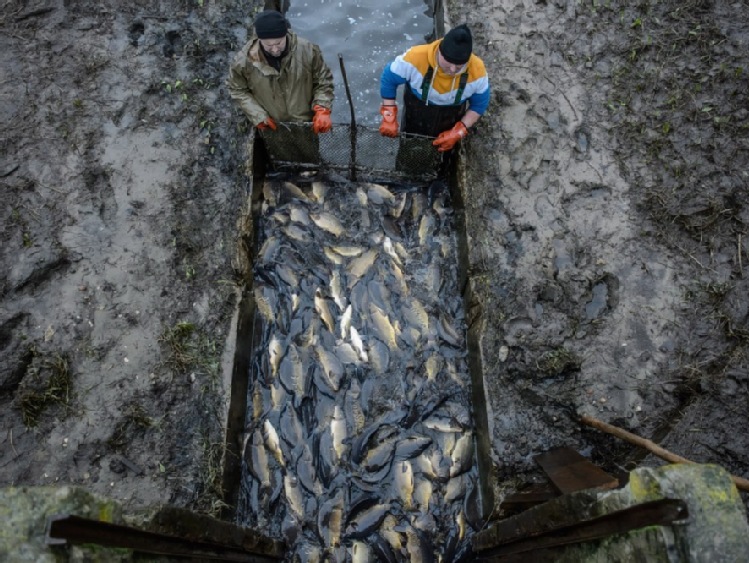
x,y
359,441
352,415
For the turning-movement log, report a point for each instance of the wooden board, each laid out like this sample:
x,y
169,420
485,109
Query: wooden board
x,y
569,471
537,493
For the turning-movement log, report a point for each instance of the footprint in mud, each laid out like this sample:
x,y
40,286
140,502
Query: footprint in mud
x,y
605,297
173,45
137,28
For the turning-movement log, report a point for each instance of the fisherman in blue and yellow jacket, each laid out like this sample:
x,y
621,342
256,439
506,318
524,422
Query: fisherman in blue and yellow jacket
x,y
447,89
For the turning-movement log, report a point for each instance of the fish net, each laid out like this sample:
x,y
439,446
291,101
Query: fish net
x,y
361,150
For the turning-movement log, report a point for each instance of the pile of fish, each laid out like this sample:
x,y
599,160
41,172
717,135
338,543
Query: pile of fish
x,y
359,443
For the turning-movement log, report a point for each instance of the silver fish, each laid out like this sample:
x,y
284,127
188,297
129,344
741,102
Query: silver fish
x,y
416,314
299,215
258,400
266,302
280,216
418,547
270,193
401,251
295,232
387,245
272,442
411,446
257,460
322,308
338,432
359,266
361,196
294,191
456,488
336,289
275,353
440,423
346,353
331,367
380,456
291,372
403,483
379,294
310,553
432,367
379,355
287,275
383,327
353,411
319,190
348,251
294,498
377,193
423,490
389,531
336,259
367,521
422,463
328,222
278,397
345,322
426,228
398,206
267,252
305,470
329,521
359,552
358,344
292,431
462,455
418,205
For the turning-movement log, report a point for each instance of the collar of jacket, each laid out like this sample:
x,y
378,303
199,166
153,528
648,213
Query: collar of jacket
x,y
256,58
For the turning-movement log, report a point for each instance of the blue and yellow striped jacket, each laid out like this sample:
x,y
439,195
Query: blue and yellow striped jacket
x,y
411,67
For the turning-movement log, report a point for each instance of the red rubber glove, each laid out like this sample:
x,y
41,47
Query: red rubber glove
x,y
389,125
267,124
321,122
448,139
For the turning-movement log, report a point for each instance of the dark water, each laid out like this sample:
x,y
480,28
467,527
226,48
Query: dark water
x,y
359,444
369,34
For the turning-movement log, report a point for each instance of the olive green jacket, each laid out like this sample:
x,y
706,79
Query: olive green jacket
x,y
289,95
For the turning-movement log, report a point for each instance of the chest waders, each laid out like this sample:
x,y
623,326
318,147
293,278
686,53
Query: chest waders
x,y
422,118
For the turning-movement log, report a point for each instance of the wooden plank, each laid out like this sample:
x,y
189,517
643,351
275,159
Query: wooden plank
x,y
569,471
536,493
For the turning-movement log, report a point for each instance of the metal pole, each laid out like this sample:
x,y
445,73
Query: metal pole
x,y
352,170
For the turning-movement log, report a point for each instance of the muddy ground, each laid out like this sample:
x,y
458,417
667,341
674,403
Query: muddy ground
x,y
605,210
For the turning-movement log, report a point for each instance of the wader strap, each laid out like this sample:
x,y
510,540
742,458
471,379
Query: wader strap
x,y
461,87
425,85
427,82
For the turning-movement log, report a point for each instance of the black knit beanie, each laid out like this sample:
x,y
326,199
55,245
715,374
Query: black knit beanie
x,y
457,45
271,25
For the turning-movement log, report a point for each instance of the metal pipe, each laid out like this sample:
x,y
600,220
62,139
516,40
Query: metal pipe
x,y
352,169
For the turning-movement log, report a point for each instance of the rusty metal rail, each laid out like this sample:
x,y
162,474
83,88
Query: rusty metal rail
x,y
64,528
504,541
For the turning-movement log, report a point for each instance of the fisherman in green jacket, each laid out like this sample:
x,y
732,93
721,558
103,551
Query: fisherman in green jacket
x,y
278,76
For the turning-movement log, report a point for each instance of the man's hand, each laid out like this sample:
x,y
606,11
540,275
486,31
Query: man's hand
x,y
267,124
321,122
389,125
448,139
